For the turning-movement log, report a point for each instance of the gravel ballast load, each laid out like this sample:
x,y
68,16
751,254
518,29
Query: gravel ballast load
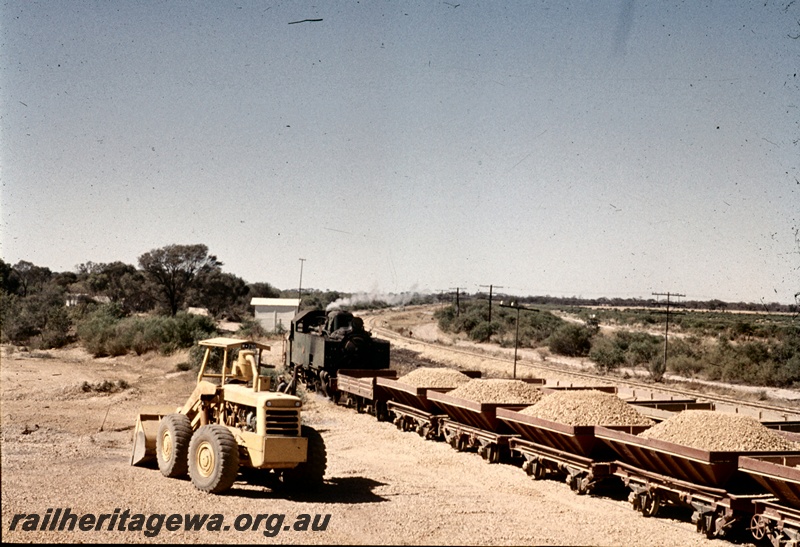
x,y
498,391
586,407
719,432
434,377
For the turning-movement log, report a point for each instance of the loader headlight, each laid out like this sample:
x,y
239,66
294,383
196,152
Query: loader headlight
x,y
297,403
269,403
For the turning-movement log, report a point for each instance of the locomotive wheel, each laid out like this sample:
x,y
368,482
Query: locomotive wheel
x,y
759,526
324,380
213,458
172,445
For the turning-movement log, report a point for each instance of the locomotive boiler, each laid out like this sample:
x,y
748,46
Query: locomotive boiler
x,y
320,343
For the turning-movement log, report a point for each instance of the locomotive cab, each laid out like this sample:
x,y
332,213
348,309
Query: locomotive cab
x,y
320,343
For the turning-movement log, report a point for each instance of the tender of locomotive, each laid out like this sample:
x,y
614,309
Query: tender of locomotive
x,y
319,344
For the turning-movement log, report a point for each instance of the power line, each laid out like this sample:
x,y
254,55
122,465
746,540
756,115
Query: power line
x,y
458,304
300,286
516,306
490,297
660,373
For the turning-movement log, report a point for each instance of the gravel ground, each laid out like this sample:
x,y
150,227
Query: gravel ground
x,y
66,439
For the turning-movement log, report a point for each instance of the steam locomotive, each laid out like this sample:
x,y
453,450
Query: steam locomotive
x,y
319,344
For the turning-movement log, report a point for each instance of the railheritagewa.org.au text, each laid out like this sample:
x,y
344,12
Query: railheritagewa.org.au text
x,y
153,524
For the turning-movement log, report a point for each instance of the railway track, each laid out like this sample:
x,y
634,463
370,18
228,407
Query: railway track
x,y
626,387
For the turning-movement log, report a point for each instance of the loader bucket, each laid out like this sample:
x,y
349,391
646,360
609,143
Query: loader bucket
x,y
145,433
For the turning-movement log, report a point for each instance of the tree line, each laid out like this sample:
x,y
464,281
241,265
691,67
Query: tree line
x,y
43,308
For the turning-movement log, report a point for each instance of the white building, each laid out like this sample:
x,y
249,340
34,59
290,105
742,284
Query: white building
x,y
275,313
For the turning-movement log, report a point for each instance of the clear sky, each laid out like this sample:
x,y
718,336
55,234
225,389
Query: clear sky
x,y
610,148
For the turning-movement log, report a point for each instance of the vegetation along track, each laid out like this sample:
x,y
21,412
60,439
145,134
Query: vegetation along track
x,y
758,409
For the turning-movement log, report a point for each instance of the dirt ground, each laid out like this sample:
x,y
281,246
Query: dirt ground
x,y
66,434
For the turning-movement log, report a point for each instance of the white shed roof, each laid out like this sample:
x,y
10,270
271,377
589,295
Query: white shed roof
x,y
278,302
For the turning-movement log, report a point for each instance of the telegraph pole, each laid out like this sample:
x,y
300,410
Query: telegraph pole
x,y
666,331
300,286
516,306
458,304
490,298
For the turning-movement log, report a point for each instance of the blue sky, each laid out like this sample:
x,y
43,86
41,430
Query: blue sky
x,y
565,148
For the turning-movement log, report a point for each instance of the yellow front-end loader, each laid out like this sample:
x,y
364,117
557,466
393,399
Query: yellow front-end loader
x,y
230,421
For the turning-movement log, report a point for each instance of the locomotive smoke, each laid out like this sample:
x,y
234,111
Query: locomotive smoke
x,y
365,298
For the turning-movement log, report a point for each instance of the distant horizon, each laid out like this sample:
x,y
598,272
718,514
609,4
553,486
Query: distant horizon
x,y
679,298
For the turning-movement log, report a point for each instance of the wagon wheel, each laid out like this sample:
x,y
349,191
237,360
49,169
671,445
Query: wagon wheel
x,y
582,485
649,504
423,430
709,525
381,412
432,434
759,526
491,452
536,470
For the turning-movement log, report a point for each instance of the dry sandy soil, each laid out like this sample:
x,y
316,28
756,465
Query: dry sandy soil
x,y
67,445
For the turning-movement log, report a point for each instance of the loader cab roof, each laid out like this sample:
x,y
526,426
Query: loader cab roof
x,y
232,343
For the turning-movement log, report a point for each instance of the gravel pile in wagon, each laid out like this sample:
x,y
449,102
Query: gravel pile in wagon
x,y
434,377
719,432
498,391
586,407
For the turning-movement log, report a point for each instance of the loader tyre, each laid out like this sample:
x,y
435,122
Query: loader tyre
x,y
172,445
309,474
213,458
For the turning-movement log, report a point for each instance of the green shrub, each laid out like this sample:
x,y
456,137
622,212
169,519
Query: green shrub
x,y
105,332
571,339
685,365
40,320
483,331
250,328
606,354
